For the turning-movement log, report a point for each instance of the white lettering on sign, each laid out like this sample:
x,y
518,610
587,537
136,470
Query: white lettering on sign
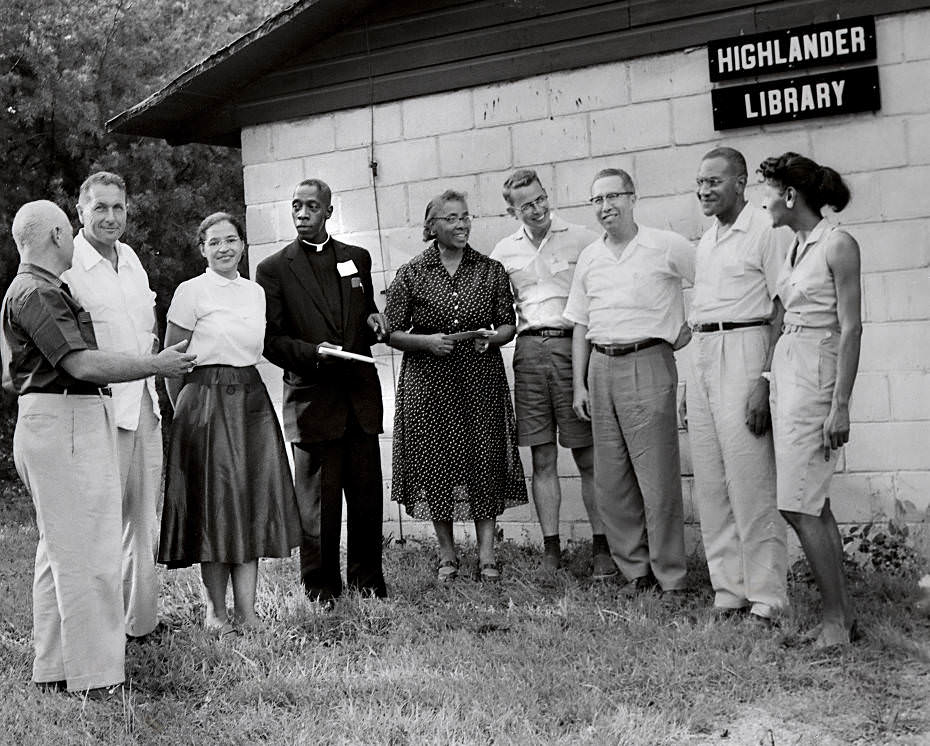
x,y
794,99
795,49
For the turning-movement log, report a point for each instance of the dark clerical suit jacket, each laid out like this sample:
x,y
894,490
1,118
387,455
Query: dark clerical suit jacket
x,y
320,392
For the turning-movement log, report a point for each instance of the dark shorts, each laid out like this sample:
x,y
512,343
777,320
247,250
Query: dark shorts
x,y
542,369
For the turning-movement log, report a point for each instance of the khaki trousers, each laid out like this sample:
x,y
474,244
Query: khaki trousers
x,y
140,464
637,470
65,452
734,473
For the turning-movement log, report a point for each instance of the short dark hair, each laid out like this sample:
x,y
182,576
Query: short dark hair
x,y
100,177
520,178
606,172
434,205
731,156
218,217
819,185
321,186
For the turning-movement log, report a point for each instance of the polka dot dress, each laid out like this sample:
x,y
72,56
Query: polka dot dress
x,y
455,446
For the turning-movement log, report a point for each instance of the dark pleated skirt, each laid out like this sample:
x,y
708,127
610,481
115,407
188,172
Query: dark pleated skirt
x,y
229,495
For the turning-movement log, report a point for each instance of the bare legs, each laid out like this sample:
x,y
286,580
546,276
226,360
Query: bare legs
x,y
484,530
215,579
820,539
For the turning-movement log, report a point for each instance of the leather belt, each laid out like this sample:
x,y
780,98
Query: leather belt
x,y
546,332
87,390
725,326
617,350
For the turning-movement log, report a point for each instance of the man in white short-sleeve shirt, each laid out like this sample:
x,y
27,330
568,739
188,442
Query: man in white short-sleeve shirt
x,y
735,319
540,259
107,279
627,307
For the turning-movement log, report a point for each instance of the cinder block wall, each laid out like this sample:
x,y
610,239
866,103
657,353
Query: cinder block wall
x,y
651,116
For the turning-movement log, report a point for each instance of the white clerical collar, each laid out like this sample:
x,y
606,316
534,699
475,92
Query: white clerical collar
x,y
317,247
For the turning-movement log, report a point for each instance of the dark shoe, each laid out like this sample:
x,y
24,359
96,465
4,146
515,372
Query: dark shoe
x,y
728,612
604,567
152,636
100,693
761,622
552,559
52,687
448,570
637,586
488,572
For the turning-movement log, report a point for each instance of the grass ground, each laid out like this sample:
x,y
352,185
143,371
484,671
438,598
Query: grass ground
x,y
535,659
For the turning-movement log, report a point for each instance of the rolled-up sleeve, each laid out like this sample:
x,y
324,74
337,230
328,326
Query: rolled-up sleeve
x,y
51,324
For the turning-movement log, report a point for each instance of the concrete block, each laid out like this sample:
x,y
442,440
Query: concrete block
x,y
679,213
573,179
268,182
353,128
572,505
260,251
903,191
308,136
904,87
655,78
918,140
520,101
433,115
387,445
419,193
474,151
401,245
354,210
910,396
853,497
888,446
684,450
901,346
407,161
900,244
871,401
912,489
256,144
581,215
693,120
915,32
866,203
341,169
865,145
567,466
548,140
889,39
368,240
688,502
668,170
629,128
260,224
897,296
589,89
486,232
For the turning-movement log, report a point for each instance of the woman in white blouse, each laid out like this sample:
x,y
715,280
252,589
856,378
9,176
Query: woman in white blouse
x,y
229,498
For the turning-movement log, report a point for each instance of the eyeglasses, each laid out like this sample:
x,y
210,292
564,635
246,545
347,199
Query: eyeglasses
x,y
711,182
611,197
453,219
540,201
228,242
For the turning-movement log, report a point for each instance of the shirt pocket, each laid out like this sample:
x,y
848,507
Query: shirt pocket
x,y
731,282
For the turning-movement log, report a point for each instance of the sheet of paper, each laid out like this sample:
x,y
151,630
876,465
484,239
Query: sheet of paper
x,y
343,355
473,334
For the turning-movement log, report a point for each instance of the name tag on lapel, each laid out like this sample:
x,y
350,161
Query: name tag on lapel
x,y
346,268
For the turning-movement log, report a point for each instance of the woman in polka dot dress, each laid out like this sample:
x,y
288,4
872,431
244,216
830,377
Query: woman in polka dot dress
x,y
455,447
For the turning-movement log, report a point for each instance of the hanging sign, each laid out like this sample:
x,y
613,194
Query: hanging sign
x,y
802,97
833,43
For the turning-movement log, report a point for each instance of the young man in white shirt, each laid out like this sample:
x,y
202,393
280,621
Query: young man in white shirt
x,y
540,259
107,279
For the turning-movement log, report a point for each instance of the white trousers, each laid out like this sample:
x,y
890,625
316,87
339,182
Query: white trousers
x,y
140,464
734,473
65,452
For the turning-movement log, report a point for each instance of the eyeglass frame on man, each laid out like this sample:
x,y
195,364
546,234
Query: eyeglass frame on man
x,y
541,200
612,197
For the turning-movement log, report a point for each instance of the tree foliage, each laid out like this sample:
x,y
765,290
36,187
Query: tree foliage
x,y
65,69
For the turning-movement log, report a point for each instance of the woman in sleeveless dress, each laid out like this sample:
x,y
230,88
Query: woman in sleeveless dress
x,y
814,368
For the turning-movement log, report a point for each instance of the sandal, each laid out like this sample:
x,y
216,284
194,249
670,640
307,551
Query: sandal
x,y
488,572
448,570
